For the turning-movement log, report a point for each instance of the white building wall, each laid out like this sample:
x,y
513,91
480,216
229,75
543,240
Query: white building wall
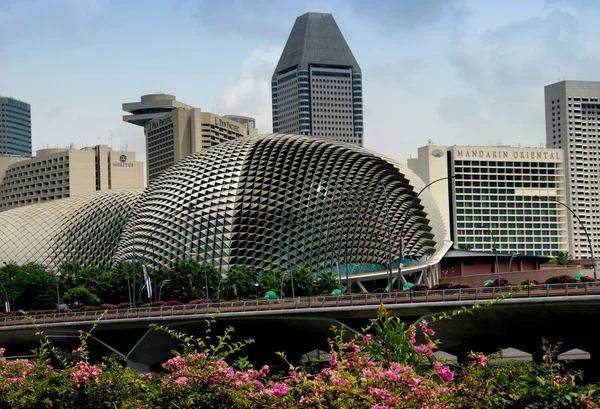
x,y
573,125
507,190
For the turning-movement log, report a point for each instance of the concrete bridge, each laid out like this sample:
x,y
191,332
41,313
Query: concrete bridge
x,y
297,326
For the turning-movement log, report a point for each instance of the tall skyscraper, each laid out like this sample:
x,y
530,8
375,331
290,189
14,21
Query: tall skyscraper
x,y
15,127
174,130
317,85
573,125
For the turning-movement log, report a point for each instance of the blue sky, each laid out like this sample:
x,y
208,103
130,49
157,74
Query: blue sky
x,y
453,71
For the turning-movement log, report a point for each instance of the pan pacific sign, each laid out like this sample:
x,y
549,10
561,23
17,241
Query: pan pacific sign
x,y
507,154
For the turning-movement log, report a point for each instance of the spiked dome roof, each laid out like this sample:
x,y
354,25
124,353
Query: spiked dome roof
x,y
276,201
316,39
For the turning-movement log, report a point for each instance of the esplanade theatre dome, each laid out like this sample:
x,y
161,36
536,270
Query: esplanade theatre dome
x,y
277,201
85,228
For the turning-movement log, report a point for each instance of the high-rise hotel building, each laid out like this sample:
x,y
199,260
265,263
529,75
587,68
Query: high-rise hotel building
x,y
59,173
498,191
573,125
317,84
174,130
15,127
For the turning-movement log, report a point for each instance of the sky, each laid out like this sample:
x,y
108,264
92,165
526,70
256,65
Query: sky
x,y
465,72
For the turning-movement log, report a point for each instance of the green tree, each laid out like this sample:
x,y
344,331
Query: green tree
x,y
240,282
326,283
36,287
304,282
188,279
465,247
271,281
80,296
561,258
28,286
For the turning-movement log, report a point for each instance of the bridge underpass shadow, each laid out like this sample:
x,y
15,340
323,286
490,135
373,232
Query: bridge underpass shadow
x,y
523,327
294,336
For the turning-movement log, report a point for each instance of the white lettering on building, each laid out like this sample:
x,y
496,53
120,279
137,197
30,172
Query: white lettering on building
x,y
505,154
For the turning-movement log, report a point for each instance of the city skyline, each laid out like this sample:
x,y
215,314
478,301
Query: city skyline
x,y
456,72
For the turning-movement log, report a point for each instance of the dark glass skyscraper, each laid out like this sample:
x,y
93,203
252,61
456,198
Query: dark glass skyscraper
x,y
317,85
15,127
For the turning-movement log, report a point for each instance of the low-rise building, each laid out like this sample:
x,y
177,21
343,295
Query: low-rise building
x,y
59,173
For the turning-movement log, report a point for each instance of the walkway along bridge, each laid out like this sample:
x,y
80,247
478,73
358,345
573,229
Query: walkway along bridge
x,y
303,324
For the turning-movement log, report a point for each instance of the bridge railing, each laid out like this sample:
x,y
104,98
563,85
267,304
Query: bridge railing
x,y
284,304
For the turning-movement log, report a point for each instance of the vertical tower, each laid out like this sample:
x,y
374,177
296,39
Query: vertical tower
x,y
317,84
573,125
15,127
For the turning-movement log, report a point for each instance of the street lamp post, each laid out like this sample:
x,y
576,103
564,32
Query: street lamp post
x,y
405,220
160,288
12,284
7,302
56,279
223,277
552,199
495,249
510,265
389,231
281,283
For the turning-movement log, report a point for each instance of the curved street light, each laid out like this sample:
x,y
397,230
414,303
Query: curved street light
x,y
389,231
160,288
7,302
406,220
552,199
495,249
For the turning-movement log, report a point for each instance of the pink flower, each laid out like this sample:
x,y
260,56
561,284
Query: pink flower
x,y
444,372
305,401
367,338
182,380
2,350
420,348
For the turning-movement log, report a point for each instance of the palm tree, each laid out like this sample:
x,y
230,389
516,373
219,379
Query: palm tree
x,y
240,282
271,281
304,281
326,283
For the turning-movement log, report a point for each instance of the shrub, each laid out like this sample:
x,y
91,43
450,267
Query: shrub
x,y
420,287
154,304
587,279
451,286
124,305
454,286
173,302
564,279
200,301
502,283
530,282
108,307
80,296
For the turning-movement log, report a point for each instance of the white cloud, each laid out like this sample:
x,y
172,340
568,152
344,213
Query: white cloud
x,y
251,94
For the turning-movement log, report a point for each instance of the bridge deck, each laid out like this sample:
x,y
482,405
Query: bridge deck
x,y
283,306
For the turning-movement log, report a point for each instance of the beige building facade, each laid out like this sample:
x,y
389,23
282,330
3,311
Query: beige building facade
x,y
59,173
183,130
573,125
498,191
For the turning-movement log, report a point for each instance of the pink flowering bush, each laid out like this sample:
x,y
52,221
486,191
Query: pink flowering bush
x,y
390,366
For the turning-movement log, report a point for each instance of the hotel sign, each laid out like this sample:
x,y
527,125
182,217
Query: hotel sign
x,y
122,163
505,154
160,122
224,123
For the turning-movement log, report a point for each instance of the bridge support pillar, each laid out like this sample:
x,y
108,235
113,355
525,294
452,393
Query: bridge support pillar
x,y
138,367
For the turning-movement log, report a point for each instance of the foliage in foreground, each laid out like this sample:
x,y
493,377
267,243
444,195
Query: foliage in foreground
x,y
393,366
